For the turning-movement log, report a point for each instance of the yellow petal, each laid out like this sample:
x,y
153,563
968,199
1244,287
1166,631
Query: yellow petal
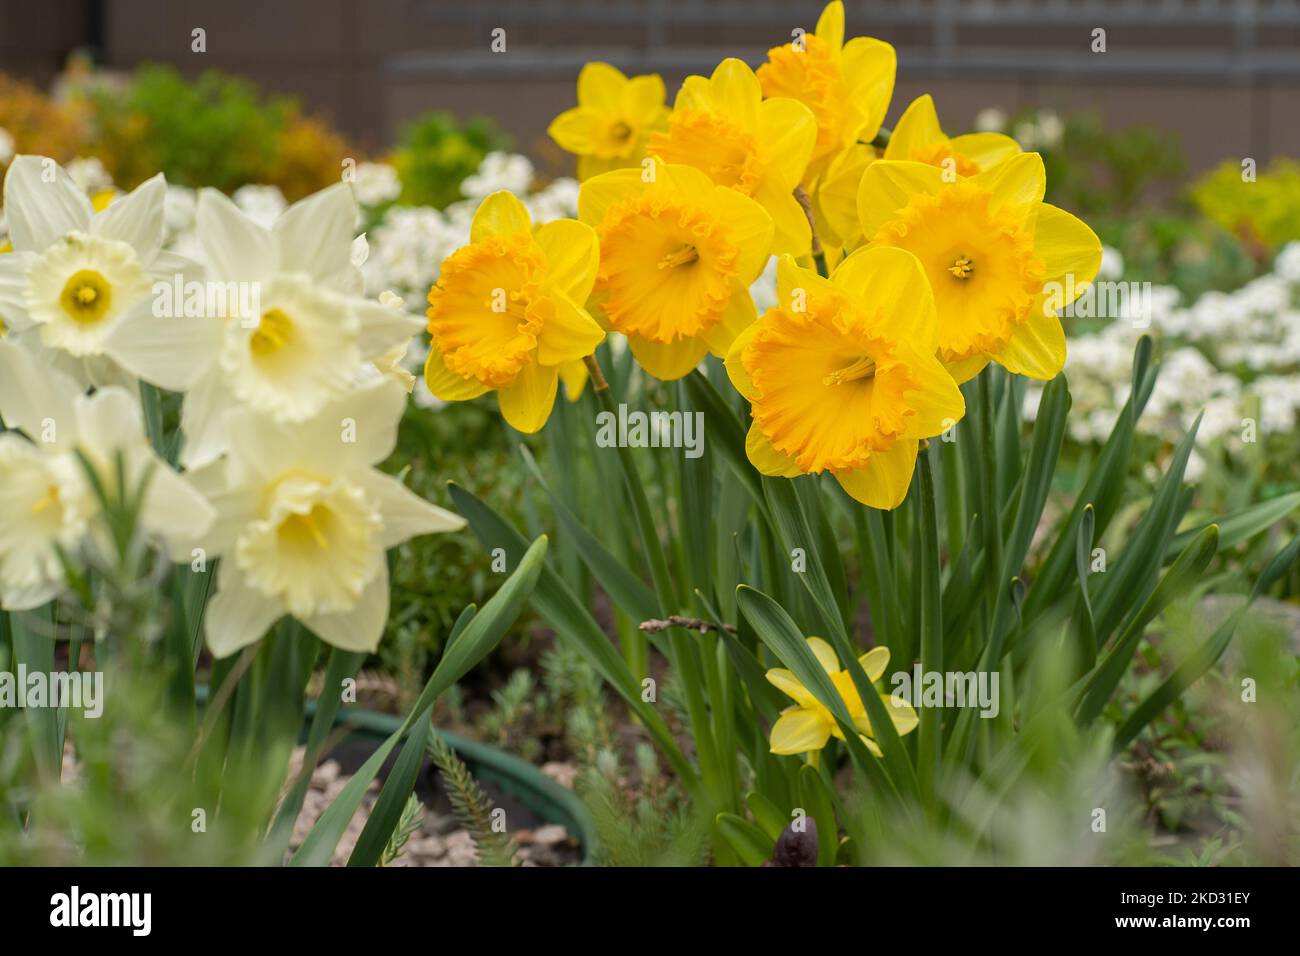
x,y
735,364
825,654
739,316
888,185
785,681
837,193
642,100
444,383
601,85
1036,347
572,256
736,92
936,400
792,234
574,376
668,362
748,225
874,663
569,334
870,66
963,370
799,731
1017,183
917,127
901,714
526,402
572,130
883,482
788,131
871,745
600,192
764,457
830,25
985,150
1067,247
590,167
892,280
501,214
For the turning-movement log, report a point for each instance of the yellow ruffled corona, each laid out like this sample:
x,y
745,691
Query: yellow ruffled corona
x,y
723,126
507,315
846,85
677,256
842,377
1001,262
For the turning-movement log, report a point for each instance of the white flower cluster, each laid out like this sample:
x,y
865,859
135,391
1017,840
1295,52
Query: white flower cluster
x,y
1234,356
291,389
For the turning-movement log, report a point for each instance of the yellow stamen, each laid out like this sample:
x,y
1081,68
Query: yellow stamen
x,y
962,268
310,525
86,297
864,367
684,256
51,498
272,334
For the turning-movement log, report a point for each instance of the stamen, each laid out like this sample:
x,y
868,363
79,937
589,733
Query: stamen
x,y
962,268
864,367
684,256
308,523
51,498
272,334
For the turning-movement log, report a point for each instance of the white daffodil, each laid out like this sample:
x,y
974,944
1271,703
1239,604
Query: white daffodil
x,y
80,283
295,330
45,497
303,521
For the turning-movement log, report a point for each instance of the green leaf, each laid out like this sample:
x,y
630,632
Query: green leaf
x,y
482,634
751,844
1240,525
725,433
574,625
397,790
816,801
766,814
1182,575
628,591
795,532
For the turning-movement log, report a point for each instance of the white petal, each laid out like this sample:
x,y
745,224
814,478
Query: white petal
x,y
361,628
41,208
383,328
13,280
173,509
237,615
36,398
170,351
406,514
315,235
203,420
136,218
237,249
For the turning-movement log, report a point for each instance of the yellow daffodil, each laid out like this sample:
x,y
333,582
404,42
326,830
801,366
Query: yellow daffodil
x,y
1000,260
808,725
677,256
919,138
723,126
846,85
507,311
614,118
842,377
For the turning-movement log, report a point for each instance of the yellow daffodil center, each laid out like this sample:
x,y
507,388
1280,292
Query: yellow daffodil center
x,y
49,500
274,331
86,297
813,77
980,261
666,267
6,246
103,199
307,531
942,154
711,143
831,390
489,307
614,138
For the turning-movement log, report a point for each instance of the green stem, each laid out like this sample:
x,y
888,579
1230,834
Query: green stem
x,y
929,745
